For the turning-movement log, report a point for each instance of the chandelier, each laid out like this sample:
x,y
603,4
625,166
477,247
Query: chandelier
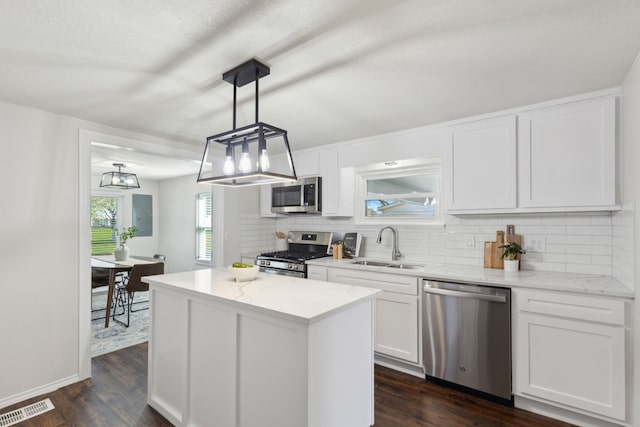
x,y
119,179
246,160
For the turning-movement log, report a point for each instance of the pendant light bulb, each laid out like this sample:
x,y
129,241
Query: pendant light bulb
x,y
245,162
228,168
264,160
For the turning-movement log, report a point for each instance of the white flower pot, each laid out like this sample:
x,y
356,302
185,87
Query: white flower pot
x,y
511,265
121,253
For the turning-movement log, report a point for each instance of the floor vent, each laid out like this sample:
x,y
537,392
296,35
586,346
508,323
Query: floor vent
x,y
18,415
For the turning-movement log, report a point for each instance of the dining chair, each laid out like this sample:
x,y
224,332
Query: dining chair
x,y
126,291
99,277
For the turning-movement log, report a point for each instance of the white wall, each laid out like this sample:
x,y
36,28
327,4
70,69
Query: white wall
x,y
177,211
631,193
40,250
177,222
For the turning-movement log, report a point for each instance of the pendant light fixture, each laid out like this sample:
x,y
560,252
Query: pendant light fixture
x,y
246,160
121,180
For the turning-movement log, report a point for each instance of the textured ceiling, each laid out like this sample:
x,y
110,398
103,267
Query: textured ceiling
x,y
145,165
340,69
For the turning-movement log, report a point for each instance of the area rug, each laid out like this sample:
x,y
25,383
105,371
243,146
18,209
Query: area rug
x,y
117,336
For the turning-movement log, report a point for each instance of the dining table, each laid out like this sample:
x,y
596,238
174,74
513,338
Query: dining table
x,y
109,263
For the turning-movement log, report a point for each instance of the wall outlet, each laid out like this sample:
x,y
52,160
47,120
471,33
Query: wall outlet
x,y
471,242
536,244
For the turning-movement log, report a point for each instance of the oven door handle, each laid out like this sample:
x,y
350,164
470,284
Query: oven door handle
x,y
289,273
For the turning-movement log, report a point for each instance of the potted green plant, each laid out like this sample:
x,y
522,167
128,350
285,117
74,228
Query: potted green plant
x,y
510,252
121,252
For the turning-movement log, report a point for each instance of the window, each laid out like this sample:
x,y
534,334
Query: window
x,y
203,227
104,222
394,192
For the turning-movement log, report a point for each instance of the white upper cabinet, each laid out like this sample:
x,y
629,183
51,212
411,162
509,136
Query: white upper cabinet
x,y
337,183
567,155
330,173
306,163
480,165
562,157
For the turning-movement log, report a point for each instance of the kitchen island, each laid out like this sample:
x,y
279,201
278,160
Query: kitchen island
x,y
275,351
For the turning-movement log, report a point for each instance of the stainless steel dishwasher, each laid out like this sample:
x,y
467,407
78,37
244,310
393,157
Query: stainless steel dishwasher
x,y
467,336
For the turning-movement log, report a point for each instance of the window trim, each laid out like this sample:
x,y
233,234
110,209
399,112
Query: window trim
x,y
398,169
199,229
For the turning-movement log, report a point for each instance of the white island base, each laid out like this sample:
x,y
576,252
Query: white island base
x,y
276,351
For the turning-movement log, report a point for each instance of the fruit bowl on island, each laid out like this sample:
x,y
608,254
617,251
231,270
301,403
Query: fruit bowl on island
x,y
243,272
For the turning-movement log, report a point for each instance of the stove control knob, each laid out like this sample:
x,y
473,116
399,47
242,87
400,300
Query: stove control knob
x,y
289,266
295,267
267,262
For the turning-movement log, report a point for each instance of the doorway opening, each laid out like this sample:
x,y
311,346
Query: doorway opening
x,y
162,172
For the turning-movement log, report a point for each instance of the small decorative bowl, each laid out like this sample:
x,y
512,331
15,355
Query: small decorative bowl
x,y
244,274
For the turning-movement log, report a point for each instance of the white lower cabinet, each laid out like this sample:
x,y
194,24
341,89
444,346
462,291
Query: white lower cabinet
x,y
569,351
316,272
397,310
396,326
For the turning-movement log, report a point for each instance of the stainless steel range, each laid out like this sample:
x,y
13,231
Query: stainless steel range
x,y
302,246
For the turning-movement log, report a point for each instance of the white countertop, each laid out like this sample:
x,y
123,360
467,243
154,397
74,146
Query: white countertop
x,y
566,282
301,300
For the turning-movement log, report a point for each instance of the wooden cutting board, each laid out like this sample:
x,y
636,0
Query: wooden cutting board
x,y
492,252
487,254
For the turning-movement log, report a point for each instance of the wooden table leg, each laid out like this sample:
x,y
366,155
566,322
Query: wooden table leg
x,y
112,283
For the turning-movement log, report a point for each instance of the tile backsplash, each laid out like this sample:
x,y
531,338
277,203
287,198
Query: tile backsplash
x,y
594,242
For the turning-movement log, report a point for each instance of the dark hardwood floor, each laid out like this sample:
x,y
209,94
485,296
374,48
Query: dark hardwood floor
x,y
403,400
116,396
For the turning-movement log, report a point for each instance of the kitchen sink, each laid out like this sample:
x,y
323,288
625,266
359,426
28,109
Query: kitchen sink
x,y
405,266
372,263
388,264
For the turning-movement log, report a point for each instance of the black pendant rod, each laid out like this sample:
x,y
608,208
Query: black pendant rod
x,y
250,71
235,88
257,80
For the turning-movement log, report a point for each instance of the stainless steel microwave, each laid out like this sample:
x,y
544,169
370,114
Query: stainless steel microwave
x,y
301,196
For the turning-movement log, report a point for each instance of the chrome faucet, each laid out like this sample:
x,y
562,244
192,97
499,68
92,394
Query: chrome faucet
x,y
395,253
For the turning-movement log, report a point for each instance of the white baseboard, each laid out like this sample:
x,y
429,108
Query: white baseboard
x,y
565,415
398,365
37,391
